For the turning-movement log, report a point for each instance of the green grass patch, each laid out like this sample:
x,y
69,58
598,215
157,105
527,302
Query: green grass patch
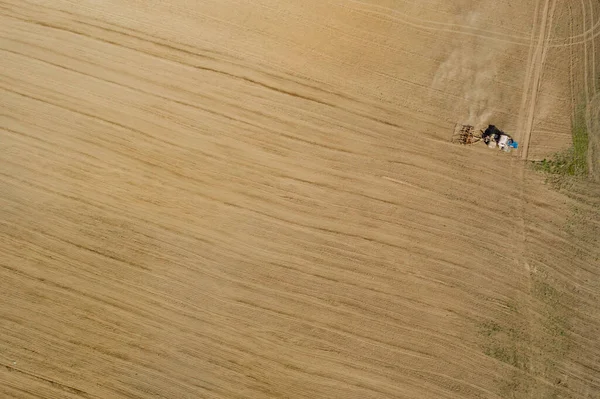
x,y
509,355
580,142
505,343
573,161
490,328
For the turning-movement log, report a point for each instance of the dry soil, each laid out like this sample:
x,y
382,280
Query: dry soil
x,y
260,199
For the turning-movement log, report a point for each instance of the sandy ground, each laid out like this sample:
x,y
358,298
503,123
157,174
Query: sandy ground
x,y
233,199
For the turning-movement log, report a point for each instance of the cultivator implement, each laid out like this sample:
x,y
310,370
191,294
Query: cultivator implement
x,y
465,135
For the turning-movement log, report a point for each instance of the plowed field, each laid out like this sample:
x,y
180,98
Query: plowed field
x,y
234,199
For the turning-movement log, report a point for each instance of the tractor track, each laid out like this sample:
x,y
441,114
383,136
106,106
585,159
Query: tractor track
x,y
533,77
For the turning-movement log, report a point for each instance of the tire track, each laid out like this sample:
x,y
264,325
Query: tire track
x,y
481,33
593,101
530,66
527,113
592,40
586,59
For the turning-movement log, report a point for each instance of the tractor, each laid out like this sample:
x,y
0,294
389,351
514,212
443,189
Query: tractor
x,y
492,137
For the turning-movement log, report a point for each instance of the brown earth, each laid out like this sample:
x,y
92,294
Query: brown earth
x,y
232,199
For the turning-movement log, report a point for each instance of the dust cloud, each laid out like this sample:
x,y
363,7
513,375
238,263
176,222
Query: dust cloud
x,y
470,69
